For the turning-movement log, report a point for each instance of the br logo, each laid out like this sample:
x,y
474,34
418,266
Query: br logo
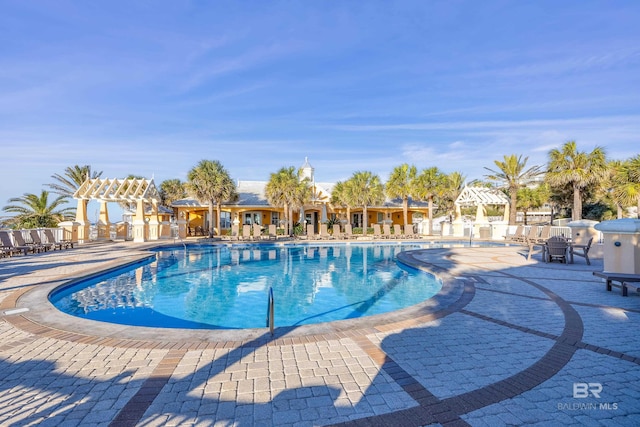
x,y
583,390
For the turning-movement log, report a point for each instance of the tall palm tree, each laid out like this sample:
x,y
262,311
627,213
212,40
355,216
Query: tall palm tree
x,y
568,166
453,186
342,195
625,183
431,184
72,178
33,211
209,182
513,175
286,189
402,184
171,190
367,190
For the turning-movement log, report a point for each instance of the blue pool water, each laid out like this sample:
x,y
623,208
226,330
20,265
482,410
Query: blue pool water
x,y
226,286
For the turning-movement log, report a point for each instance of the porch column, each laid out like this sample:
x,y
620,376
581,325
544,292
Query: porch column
x,y
103,226
154,224
82,221
139,226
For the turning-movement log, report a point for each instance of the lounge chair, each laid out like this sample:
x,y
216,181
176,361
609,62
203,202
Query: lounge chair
x,y
235,232
556,249
10,248
376,231
348,231
35,238
518,236
408,231
311,234
397,231
257,232
324,232
580,250
57,244
386,231
17,237
337,234
246,232
273,232
625,280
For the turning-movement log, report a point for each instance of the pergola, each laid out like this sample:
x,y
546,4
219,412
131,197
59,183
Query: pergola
x,y
480,197
128,190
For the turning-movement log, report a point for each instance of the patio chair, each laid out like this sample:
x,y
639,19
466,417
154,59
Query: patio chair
x,y
257,232
518,235
556,249
397,231
386,231
580,250
35,238
324,232
409,232
273,232
348,231
311,234
337,234
377,233
17,236
9,247
235,233
57,244
246,232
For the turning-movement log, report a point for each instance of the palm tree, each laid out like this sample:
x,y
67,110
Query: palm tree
x,y
625,183
512,173
209,182
171,190
342,195
33,211
531,198
431,184
567,166
287,190
453,185
72,178
402,183
367,190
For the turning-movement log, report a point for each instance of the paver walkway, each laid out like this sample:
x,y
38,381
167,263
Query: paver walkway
x,y
506,342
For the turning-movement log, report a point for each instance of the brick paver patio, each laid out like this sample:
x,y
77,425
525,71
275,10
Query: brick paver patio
x,y
506,342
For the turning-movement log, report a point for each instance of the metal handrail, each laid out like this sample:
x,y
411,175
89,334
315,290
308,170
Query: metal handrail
x,y
270,311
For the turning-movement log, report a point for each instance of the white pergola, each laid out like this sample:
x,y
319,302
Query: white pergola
x,y
481,197
129,190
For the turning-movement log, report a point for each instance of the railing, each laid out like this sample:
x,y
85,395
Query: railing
x,y
270,311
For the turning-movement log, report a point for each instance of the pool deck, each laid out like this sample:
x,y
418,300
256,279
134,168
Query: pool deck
x,y
506,342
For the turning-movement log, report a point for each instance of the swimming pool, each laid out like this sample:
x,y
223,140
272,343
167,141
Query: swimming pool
x,y
226,286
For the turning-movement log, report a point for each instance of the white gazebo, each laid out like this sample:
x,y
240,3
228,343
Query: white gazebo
x,y
481,197
129,190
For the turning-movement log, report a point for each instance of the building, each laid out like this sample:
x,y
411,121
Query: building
x,y
252,207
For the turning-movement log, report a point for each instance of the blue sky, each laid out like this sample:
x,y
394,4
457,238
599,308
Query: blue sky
x,y
152,87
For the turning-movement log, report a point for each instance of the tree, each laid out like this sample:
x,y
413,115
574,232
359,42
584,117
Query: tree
x,y
402,184
171,190
367,190
625,183
453,185
531,198
33,211
567,166
342,195
431,184
286,189
209,182
72,178
513,175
